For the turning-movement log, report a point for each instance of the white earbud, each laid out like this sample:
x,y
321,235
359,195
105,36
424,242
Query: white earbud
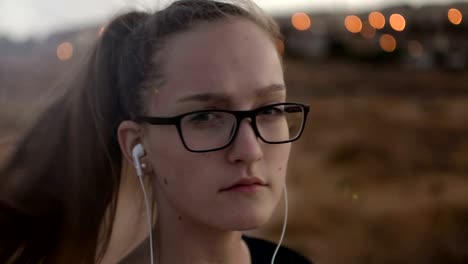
x,y
138,152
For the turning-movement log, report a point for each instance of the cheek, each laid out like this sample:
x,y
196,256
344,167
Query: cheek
x,y
183,170
277,157
166,152
176,169
277,162
187,182
273,167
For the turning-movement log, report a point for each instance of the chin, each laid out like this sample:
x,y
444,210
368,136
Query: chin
x,y
250,220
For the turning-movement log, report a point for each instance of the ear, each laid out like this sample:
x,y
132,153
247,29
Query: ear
x,y
129,134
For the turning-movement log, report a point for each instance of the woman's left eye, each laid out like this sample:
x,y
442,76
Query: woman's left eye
x,y
271,111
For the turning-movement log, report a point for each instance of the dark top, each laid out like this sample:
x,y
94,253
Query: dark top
x,y
261,252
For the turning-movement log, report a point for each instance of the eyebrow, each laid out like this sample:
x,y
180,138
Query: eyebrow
x,y
206,97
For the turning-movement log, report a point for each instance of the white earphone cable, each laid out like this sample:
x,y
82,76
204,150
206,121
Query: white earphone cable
x,y
148,213
285,221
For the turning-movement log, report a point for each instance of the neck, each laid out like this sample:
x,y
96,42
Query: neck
x,y
183,240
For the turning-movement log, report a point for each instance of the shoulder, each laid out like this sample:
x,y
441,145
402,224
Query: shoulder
x,y
262,251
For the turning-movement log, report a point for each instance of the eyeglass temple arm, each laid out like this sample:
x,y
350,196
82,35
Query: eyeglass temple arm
x,y
158,120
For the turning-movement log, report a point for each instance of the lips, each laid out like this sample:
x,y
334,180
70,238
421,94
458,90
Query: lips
x,y
247,183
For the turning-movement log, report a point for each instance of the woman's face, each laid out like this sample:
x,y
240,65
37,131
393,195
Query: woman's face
x,y
231,65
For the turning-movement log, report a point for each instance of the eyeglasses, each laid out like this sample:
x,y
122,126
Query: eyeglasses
x,y
210,130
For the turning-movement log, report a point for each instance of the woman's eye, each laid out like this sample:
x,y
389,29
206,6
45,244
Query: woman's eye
x,y
203,117
205,120
271,111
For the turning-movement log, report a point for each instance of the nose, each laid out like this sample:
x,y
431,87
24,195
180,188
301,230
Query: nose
x,y
246,145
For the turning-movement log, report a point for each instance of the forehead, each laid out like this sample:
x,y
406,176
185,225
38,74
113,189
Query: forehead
x,y
233,57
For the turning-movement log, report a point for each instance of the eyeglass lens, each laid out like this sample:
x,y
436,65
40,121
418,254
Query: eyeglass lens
x,y
207,130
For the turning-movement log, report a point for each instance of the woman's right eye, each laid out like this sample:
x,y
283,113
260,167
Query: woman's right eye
x,y
202,117
205,120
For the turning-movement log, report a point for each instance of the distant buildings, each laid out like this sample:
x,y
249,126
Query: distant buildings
x,y
420,38
425,37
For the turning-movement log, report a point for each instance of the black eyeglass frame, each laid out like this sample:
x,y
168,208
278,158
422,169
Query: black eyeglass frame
x,y
239,115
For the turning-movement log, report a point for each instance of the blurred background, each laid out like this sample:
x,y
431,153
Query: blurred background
x,y
381,173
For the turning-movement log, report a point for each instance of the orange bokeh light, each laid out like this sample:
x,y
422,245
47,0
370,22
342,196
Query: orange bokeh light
x,y
65,51
376,20
388,43
367,31
301,21
455,16
353,24
397,22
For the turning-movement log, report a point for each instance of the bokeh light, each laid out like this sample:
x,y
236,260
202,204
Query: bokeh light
x,y
367,31
415,49
353,24
65,51
455,16
388,43
397,22
301,21
377,20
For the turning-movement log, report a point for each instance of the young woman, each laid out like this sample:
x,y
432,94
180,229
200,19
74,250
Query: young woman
x,y
190,102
